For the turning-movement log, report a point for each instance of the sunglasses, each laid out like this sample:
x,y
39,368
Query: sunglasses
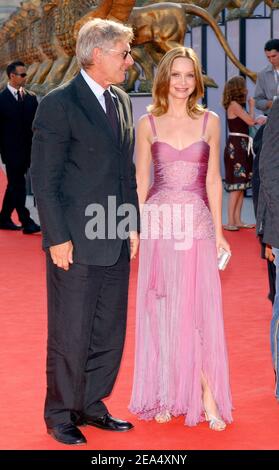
x,y
22,75
124,54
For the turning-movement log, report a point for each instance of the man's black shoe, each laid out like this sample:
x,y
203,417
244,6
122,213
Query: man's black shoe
x,y
108,423
30,227
9,225
67,434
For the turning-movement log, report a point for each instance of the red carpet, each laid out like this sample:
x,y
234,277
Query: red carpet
x,y
22,358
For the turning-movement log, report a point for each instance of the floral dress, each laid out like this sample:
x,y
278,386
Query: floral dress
x,y
238,157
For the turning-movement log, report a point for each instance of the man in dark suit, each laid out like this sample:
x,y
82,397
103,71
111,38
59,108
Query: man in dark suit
x,y
82,171
17,111
266,250
268,216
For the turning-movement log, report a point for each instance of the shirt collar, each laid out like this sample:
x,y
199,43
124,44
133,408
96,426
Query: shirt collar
x,y
12,90
270,68
97,89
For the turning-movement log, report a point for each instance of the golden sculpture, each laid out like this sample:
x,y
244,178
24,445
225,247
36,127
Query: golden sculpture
x,y
239,8
13,35
214,7
247,7
164,26
58,42
42,34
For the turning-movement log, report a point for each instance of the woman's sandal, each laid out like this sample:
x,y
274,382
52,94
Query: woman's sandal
x,y
216,424
163,417
231,228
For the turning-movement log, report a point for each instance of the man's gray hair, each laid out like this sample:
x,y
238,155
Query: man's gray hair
x,y
99,33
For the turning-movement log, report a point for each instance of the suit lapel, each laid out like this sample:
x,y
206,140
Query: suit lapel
x,y
92,108
120,115
9,97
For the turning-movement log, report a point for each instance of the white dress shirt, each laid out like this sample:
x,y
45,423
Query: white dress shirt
x,y
97,89
13,91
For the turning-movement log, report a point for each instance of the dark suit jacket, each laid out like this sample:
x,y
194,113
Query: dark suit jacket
x,y
76,161
16,127
268,203
257,147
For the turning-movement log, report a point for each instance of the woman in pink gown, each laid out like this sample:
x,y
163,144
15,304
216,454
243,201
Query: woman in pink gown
x,y
181,365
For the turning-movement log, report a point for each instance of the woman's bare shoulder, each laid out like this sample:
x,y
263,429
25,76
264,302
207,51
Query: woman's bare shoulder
x,y
234,105
144,128
213,120
144,117
144,122
212,116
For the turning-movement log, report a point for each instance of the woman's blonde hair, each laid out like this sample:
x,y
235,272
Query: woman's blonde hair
x,y
160,90
234,90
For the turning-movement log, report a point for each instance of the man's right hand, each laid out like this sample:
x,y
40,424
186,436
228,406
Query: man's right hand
x,y
62,254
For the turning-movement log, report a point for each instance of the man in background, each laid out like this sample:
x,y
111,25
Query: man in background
x,y
268,216
17,111
266,250
267,86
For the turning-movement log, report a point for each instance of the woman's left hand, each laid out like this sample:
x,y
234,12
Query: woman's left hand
x,y
222,244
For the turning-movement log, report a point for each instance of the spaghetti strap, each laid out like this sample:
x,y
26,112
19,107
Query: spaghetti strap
x,y
204,123
153,127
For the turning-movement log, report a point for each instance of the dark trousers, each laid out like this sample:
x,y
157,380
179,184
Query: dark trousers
x,y
87,310
15,194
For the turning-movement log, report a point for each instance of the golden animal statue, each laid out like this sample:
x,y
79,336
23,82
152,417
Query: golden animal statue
x,y
214,7
49,45
42,33
247,7
14,38
45,44
58,42
158,28
238,8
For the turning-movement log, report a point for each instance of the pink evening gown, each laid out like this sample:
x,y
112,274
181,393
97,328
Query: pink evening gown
x,y
179,330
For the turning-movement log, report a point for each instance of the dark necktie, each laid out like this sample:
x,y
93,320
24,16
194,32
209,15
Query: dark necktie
x,y
111,112
19,96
